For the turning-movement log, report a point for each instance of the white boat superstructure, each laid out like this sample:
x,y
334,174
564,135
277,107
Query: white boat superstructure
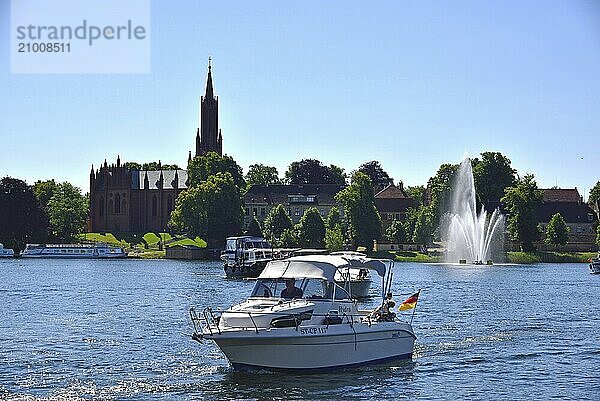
x,y
298,318
73,251
595,265
6,252
246,256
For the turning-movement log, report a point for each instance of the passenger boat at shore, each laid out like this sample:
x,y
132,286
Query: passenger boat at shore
x,y
73,251
595,265
314,326
6,252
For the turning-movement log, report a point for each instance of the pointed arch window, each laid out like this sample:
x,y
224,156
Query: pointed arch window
x,y
117,204
101,208
169,204
154,206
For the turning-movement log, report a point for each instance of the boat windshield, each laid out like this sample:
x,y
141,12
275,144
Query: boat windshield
x,y
311,289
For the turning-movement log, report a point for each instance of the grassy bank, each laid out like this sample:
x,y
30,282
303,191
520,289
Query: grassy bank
x,y
409,256
144,246
548,257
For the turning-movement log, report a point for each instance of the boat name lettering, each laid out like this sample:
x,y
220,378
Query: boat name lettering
x,y
343,309
313,330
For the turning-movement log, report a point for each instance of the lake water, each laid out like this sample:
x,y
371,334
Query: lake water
x,y
120,330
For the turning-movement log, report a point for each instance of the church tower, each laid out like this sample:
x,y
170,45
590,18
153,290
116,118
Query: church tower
x,y
208,135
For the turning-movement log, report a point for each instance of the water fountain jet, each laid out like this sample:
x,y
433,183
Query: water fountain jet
x,y
470,235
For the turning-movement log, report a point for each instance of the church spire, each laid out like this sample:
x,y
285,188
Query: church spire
x,y
209,85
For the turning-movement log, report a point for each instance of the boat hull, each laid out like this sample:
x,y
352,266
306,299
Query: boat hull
x,y
317,347
595,267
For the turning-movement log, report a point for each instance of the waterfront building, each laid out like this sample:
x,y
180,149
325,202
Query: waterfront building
x,y
392,203
260,199
578,215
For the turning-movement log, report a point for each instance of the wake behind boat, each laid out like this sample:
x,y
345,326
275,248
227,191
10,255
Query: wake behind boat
x,y
73,251
298,318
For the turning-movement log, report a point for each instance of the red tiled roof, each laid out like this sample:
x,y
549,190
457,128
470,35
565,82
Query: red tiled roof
x,y
561,195
391,192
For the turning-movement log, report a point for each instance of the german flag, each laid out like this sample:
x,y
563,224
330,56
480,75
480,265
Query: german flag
x,y
411,302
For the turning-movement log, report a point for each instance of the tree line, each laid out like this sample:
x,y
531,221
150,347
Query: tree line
x,y
212,205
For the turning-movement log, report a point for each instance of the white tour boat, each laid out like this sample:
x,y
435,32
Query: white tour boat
x,y
246,256
595,265
73,251
6,252
297,318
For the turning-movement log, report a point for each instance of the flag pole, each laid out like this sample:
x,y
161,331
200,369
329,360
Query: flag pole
x,y
415,308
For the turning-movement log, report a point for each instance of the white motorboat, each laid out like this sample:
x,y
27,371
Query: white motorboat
x,y
595,265
6,252
246,256
319,328
73,251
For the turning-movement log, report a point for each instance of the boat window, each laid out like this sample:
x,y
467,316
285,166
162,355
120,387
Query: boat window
x,y
313,288
231,245
340,293
266,289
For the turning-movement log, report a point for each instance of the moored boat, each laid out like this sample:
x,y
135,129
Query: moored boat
x,y
73,251
6,252
298,318
246,256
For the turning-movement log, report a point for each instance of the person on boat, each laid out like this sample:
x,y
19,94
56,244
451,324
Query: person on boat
x,y
291,291
384,311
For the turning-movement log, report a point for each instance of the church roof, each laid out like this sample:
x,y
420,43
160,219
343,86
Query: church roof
x,y
137,179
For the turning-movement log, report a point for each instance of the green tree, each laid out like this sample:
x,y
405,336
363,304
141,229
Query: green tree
x,y
22,219
68,211
492,175
254,228
150,166
288,239
43,191
334,218
311,230
334,238
522,200
202,167
133,166
439,187
557,231
594,195
417,193
361,214
396,232
379,178
311,171
211,210
424,227
276,222
259,174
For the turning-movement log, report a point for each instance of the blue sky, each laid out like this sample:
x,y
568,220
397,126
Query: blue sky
x,y
410,84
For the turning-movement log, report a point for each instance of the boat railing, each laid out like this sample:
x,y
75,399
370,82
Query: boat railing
x,y
207,321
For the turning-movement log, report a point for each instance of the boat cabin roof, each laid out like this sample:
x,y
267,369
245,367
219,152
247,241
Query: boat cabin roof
x,y
319,266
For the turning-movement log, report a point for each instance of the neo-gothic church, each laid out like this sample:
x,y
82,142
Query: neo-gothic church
x,y
124,200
